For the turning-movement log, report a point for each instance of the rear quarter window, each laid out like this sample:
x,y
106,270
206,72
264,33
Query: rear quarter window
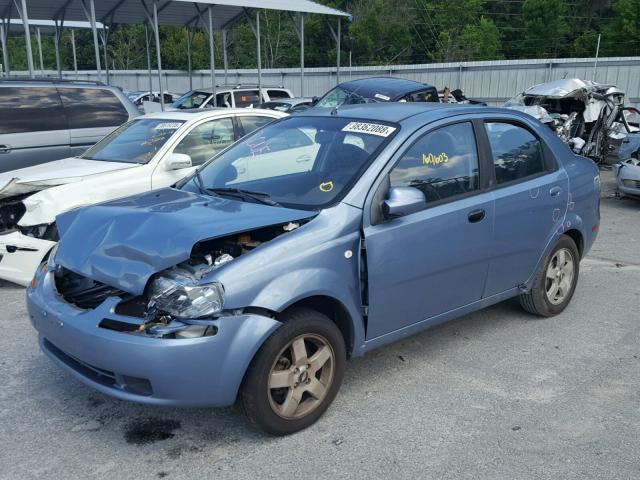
x,y
92,108
30,109
278,94
244,98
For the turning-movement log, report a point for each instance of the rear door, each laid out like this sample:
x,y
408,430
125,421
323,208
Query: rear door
x,y
33,127
92,113
531,197
435,260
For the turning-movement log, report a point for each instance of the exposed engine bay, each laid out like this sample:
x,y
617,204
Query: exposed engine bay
x,y
589,117
173,305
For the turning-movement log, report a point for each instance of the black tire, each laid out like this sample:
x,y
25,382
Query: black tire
x,y
258,399
537,301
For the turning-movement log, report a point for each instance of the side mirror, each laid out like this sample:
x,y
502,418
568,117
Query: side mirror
x,y
314,100
403,201
177,161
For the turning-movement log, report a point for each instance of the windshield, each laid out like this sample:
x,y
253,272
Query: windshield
x,y
340,96
192,99
300,162
134,142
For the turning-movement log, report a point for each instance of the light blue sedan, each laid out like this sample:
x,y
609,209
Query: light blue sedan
x,y
312,240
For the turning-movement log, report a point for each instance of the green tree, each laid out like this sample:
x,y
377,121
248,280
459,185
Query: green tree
x,y
545,28
621,36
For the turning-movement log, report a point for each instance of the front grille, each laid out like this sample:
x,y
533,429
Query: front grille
x,y
631,183
10,214
83,292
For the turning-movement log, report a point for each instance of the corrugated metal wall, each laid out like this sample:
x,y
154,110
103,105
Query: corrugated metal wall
x,y
492,81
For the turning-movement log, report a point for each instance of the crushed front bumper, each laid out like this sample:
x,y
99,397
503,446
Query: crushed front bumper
x,y
20,255
205,371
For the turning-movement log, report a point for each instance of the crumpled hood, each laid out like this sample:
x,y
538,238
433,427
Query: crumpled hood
x,y
124,242
51,174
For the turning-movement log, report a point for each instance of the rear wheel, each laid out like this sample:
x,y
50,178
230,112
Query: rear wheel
x,y
296,374
555,282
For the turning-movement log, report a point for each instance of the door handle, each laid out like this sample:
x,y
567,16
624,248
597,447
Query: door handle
x,y
476,216
555,191
5,149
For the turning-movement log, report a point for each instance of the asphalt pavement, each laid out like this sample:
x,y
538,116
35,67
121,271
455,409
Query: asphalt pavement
x,y
497,394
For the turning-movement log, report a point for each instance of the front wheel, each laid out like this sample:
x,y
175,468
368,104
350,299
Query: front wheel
x,y
555,282
296,374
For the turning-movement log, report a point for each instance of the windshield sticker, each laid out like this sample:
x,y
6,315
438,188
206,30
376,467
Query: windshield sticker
x,y
370,128
168,126
431,159
382,97
326,187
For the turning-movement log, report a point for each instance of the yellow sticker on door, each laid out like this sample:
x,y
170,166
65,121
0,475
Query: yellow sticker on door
x,y
431,159
326,186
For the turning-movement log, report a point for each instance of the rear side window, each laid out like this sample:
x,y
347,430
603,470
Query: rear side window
x,y
30,109
249,124
443,163
517,153
273,94
246,98
92,107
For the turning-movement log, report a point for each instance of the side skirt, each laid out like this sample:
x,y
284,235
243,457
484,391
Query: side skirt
x,y
438,319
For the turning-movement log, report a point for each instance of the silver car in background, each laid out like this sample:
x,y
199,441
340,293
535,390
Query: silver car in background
x,y
45,120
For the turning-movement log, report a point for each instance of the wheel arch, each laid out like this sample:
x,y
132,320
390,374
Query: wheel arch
x,y
576,236
336,311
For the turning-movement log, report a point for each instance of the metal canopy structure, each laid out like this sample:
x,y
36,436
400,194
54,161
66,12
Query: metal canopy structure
x,y
210,15
47,27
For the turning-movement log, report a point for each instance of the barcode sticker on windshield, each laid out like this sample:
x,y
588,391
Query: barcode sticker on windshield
x,y
168,126
370,128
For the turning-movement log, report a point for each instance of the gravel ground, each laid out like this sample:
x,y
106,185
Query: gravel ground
x,y
496,394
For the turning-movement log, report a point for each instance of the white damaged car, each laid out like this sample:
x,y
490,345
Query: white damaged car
x,y
149,152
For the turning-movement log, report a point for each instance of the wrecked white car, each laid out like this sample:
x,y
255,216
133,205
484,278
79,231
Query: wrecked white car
x,y
588,116
152,151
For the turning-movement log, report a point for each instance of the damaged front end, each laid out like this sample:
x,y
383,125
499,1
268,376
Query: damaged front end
x,y
22,247
587,116
12,209
179,302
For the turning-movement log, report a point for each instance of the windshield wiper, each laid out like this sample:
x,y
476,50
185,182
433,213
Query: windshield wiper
x,y
260,197
199,183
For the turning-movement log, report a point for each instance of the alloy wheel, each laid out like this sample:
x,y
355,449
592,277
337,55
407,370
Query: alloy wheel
x,y
301,376
559,277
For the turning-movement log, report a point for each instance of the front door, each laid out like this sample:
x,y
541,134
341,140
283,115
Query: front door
x,y
436,259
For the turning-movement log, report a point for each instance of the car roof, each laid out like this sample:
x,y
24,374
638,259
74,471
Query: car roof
x,y
237,88
197,113
389,86
397,112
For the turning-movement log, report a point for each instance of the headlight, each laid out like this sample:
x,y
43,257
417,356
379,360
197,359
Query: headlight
x,y
179,296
